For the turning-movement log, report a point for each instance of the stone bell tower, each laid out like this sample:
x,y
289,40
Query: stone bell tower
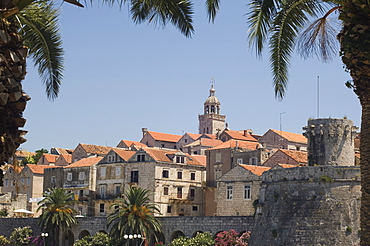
x,y
211,122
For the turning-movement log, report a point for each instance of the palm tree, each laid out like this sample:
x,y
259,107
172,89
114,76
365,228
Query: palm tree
x,y
57,212
134,214
280,22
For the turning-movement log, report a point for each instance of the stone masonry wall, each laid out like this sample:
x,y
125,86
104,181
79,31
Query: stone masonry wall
x,y
317,205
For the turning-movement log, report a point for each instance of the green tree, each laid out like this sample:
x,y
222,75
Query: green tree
x,y
201,239
281,22
21,235
34,158
99,239
57,212
134,214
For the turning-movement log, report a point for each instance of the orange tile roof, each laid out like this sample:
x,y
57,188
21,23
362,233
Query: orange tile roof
x,y
86,162
286,165
202,159
50,157
39,168
206,135
239,135
67,157
64,151
291,136
162,155
194,136
165,137
205,142
258,170
96,149
299,156
124,154
24,153
129,143
232,143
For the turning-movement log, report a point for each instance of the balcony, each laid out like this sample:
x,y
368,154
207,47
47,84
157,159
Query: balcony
x,y
107,196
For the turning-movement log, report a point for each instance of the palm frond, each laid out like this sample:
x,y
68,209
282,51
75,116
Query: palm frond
x,y
159,12
212,8
292,16
319,39
40,31
259,20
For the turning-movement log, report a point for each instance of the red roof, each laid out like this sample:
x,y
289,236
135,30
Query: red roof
x,y
129,143
299,156
290,136
165,136
86,162
67,157
286,165
258,170
240,135
163,156
194,136
24,153
50,158
124,154
96,149
39,168
232,143
205,142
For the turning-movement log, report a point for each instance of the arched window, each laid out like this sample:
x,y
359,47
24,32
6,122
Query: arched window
x,y
212,109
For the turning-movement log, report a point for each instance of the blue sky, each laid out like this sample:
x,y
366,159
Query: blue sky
x,y
121,77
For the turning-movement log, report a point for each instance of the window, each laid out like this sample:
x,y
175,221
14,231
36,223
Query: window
x,y
192,176
111,158
118,171
179,192
165,191
103,171
192,193
81,176
218,157
162,145
103,191
69,176
165,173
179,175
180,159
13,182
185,140
239,161
102,209
195,208
169,209
134,176
229,192
218,173
247,192
22,180
28,181
6,182
118,190
53,179
140,158
253,161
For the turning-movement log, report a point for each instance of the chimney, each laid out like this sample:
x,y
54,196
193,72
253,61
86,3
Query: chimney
x,y
144,130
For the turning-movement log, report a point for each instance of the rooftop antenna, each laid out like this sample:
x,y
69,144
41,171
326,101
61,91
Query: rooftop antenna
x,y
318,96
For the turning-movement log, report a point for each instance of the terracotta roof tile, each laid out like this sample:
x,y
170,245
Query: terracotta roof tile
x,y
50,157
165,137
232,143
129,143
24,153
194,136
205,142
124,154
299,156
202,160
67,157
239,135
62,151
39,168
286,165
291,136
96,149
162,155
258,170
86,162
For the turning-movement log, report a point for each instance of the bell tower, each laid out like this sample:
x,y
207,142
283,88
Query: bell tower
x,y
211,121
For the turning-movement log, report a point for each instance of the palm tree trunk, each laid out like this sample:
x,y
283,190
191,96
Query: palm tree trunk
x,y
355,51
12,71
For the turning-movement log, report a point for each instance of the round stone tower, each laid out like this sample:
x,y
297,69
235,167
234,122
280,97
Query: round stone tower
x,y
331,142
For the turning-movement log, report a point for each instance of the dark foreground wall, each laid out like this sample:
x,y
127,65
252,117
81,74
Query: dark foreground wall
x,y
172,226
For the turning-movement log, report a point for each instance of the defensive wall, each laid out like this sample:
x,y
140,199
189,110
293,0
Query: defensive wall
x,y
313,205
172,226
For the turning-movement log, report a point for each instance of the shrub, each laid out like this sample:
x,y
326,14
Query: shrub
x,y
230,238
4,240
21,236
201,239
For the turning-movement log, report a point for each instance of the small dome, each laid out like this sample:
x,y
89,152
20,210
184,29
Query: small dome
x,y
212,100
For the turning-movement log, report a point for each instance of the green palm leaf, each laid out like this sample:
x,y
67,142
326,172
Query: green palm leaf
x,y
40,31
